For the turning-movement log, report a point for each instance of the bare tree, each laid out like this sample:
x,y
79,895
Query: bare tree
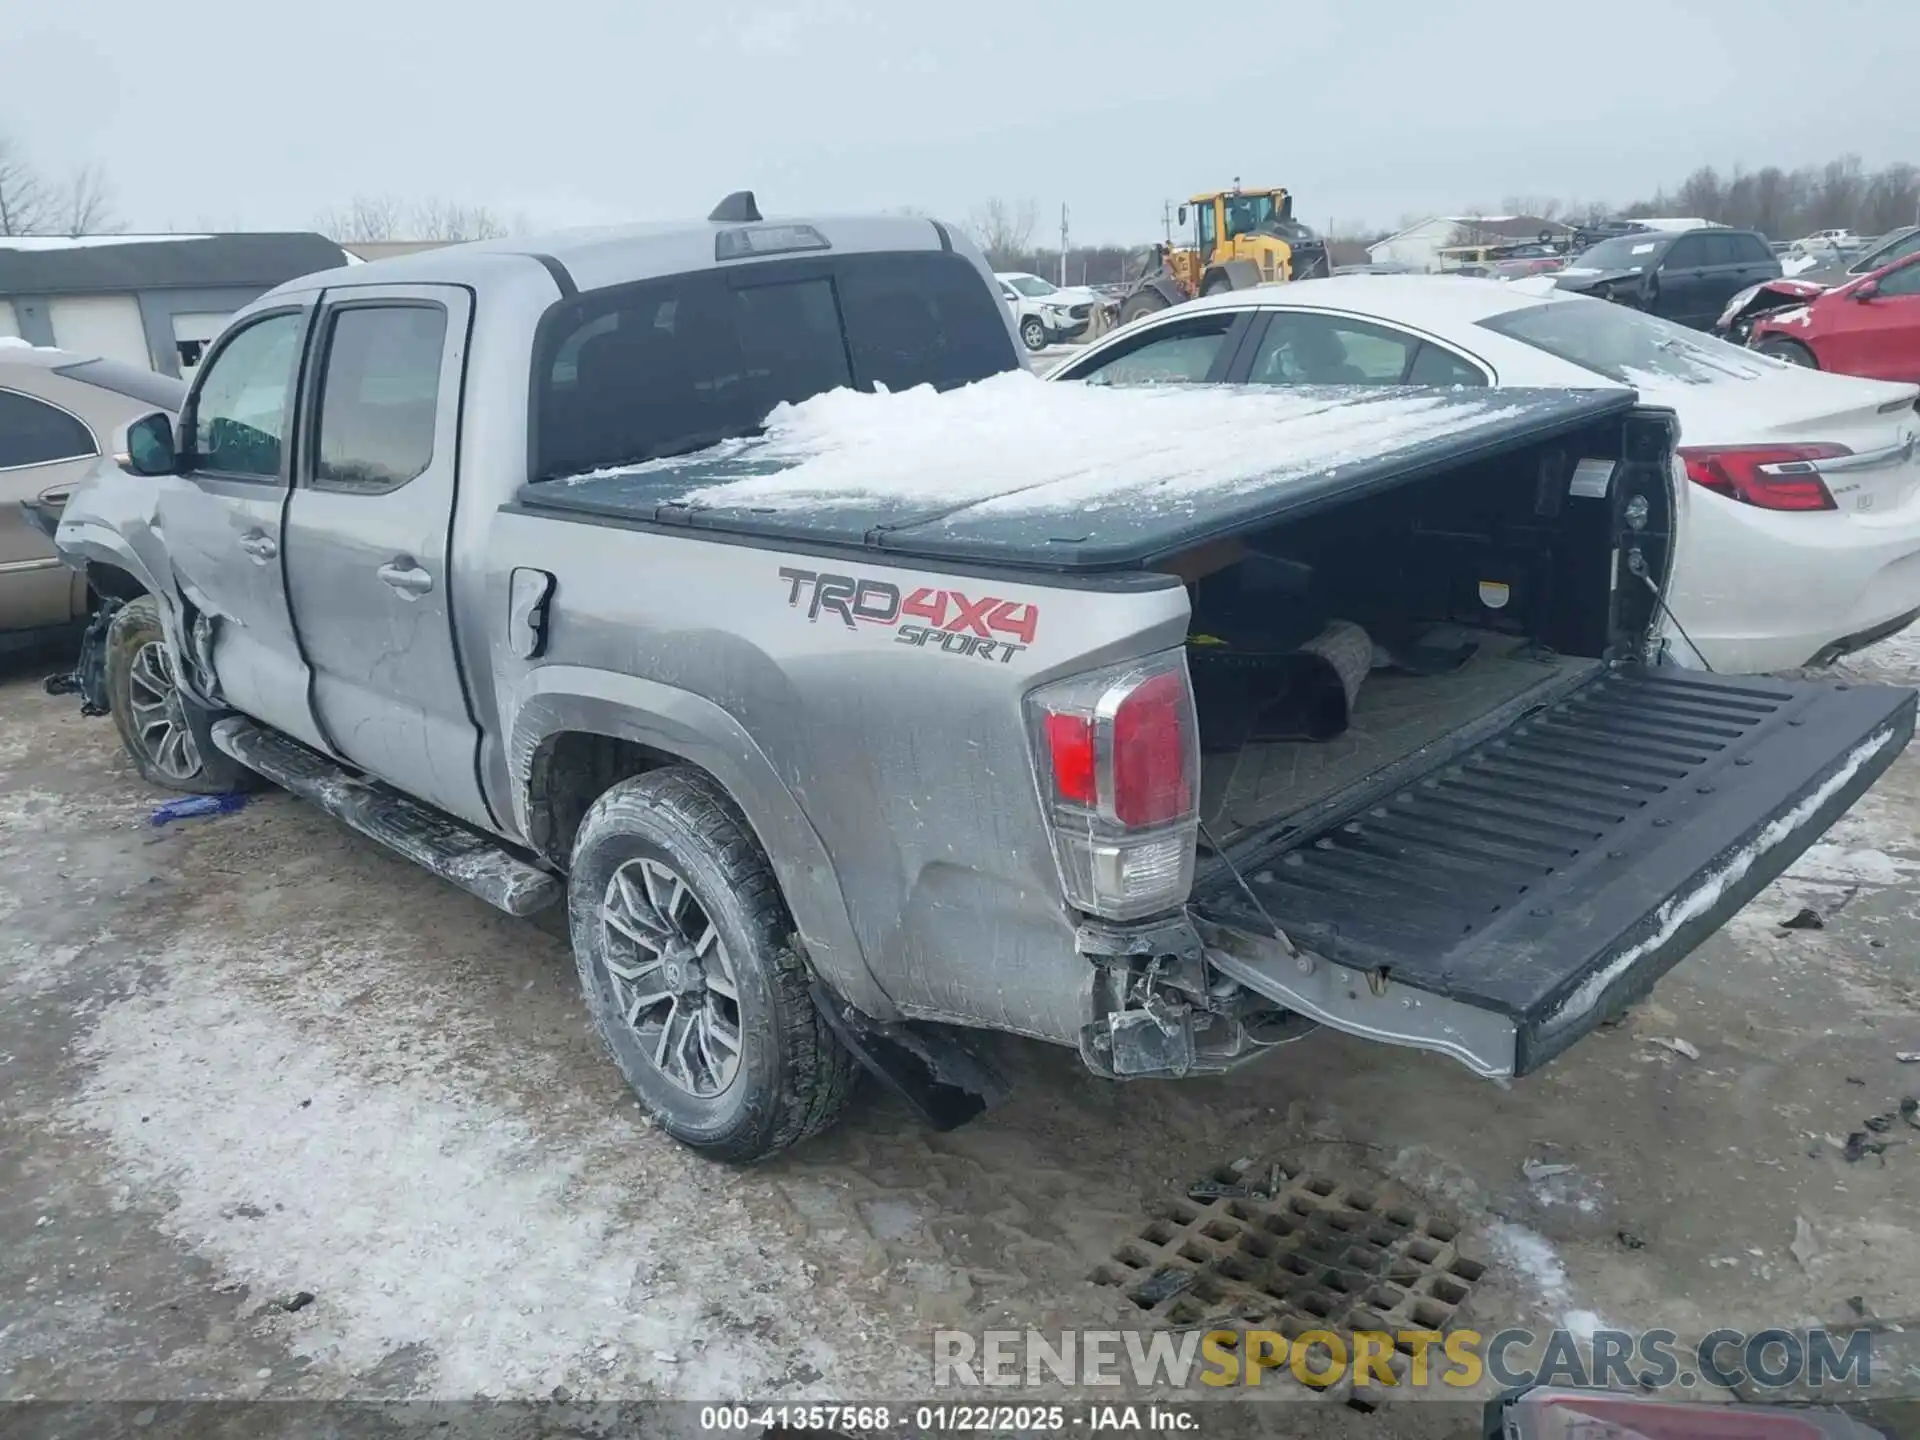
x,y
85,205
382,217
24,202
365,217
1004,231
444,220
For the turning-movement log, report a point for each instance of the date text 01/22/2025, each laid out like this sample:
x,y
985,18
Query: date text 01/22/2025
x,y
950,621
865,1420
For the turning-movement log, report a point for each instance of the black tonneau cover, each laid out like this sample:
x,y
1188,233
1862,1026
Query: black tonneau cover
x,y
1043,518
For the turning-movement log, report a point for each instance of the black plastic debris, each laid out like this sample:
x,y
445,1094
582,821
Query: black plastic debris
x,y
1910,1111
1807,919
1879,1124
1629,1240
298,1302
1858,1147
1163,1284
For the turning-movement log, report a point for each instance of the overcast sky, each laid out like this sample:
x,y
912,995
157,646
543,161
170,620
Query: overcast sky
x,y
243,114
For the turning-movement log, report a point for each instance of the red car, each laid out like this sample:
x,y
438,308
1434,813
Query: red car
x,y
1869,326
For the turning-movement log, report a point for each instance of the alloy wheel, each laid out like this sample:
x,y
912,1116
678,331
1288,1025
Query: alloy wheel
x,y
672,977
159,718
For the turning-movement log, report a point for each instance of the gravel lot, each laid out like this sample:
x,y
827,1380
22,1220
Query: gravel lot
x,y
255,1056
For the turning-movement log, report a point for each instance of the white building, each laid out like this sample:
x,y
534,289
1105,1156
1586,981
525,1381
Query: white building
x,y
1418,247
150,300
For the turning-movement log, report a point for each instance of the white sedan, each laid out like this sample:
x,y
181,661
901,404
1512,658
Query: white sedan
x,y
1800,534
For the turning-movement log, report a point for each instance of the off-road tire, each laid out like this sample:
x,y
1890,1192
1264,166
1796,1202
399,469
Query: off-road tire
x,y
1143,302
794,1078
1791,351
1033,333
135,626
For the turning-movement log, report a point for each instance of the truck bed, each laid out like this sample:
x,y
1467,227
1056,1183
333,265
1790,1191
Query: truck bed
x,y
1397,716
1015,473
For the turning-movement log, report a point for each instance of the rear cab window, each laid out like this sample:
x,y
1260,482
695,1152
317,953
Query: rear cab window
x,y
665,367
1625,345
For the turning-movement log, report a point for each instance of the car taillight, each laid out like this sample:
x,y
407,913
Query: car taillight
x,y
1771,477
1117,758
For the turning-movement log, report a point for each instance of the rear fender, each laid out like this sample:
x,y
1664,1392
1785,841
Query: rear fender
x,y
555,699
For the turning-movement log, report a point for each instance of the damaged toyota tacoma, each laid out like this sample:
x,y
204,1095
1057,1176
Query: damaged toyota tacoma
x,y
734,586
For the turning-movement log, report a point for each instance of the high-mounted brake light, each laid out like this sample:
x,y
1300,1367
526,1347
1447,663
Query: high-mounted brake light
x,y
766,240
1769,477
1117,757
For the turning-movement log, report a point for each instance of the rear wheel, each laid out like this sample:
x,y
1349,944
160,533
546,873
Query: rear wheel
x,y
1791,351
150,712
688,959
1033,334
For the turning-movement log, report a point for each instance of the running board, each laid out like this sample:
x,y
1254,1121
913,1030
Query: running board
x,y
475,862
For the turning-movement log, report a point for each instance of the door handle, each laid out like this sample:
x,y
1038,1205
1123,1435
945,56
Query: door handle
x,y
403,575
259,545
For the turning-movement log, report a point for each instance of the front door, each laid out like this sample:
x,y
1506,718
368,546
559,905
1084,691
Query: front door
x,y
223,523
367,551
1683,282
1880,336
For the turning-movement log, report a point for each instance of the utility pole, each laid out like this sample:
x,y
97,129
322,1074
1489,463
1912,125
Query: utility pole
x,y
1063,244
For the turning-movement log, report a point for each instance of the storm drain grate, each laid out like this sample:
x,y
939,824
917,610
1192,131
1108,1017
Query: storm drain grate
x,y
1311,1255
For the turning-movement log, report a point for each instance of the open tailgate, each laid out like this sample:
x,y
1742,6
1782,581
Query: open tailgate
x,y
1500,906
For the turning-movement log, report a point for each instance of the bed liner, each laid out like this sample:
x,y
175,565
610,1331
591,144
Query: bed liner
x,y
1550,874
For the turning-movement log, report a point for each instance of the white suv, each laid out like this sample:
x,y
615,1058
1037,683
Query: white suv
x,y
1044,313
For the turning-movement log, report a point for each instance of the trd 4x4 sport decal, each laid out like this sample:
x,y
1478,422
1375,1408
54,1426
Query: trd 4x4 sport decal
x,y
949,621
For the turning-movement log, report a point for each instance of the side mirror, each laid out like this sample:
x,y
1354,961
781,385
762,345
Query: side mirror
x,y
146,447
1181,213
1865,290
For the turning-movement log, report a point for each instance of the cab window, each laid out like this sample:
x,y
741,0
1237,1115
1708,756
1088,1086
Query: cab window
x,y
240,410
1183,353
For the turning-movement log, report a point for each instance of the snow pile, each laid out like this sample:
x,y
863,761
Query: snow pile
x,y
1014,443
356,1156
85,242
1534,1256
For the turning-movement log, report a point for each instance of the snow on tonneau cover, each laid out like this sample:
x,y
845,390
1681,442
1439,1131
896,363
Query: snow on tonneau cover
x,y
1066,477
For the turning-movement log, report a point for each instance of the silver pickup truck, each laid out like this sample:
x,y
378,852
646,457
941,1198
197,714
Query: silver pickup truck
x,y
733,584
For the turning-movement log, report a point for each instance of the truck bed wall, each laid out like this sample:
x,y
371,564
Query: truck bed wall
x,y
888,775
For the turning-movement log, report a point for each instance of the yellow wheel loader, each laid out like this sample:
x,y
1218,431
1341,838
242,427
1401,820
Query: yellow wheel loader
x,y
1239,238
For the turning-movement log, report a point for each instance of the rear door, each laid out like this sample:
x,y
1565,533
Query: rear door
x,y
223,523
1877,337
44,450
367,539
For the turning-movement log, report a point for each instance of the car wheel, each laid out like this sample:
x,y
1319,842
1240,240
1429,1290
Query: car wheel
x,y
1791,351
691,970
1033,334
150,712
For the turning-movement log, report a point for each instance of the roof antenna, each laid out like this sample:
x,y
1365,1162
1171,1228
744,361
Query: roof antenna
x,y
735,209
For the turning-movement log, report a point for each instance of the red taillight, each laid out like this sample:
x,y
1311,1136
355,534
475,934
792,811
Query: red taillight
x,y
1070,747
1150,782
1770,477
1117,756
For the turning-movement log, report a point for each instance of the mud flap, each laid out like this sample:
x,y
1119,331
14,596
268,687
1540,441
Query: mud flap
x,y
1503,905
